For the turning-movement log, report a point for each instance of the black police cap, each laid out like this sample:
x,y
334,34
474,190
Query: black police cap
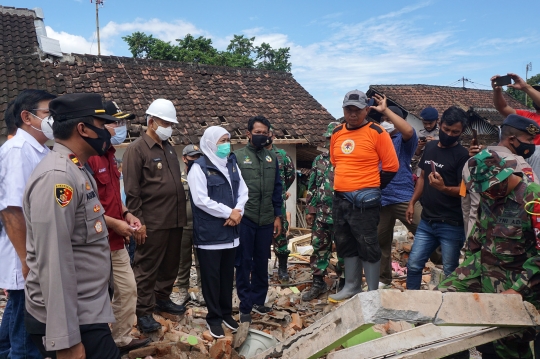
x,y
77,105
522,123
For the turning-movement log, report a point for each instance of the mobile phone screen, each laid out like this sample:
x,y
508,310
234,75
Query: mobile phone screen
x,y
503,80
433,168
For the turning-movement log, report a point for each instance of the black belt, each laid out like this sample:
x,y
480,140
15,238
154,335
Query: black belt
x,y
447,221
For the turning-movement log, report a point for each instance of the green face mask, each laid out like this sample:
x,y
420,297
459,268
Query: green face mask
x,y
223,150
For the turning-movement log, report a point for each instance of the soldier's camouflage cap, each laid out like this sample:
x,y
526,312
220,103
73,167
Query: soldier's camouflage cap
x,y
487,169
330,129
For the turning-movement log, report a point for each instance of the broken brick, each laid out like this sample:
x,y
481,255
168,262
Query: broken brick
x,y
142,352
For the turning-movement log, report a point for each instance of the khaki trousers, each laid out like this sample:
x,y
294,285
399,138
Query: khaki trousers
x,y
125,297
186,260
156,266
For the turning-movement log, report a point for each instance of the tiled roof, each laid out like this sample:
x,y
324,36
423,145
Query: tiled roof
x,y
414,98
203,95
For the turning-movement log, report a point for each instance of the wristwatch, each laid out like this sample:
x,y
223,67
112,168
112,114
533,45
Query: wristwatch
x,y
125,214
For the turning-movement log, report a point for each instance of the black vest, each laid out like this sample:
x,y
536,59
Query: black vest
x,y
208,229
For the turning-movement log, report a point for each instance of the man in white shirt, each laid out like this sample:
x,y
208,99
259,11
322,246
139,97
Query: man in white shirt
x,y
18,158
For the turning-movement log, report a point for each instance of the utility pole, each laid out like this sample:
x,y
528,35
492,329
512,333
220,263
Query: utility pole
x,y
527,69
98,2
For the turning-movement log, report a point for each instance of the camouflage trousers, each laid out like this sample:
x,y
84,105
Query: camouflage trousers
x,y
321,240
474,276
281,241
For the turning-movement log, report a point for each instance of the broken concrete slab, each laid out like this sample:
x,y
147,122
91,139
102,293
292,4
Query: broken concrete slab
x,y
402,341
483,309
354,316
533,312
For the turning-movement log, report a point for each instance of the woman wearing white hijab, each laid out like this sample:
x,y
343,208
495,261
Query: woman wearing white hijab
x,y
218,195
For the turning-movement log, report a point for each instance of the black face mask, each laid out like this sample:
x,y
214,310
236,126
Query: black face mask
x,y
102,143
524,150
190,163
536,107
446,140
260,141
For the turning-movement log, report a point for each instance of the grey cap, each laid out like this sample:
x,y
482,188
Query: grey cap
x,y
355,98
192,150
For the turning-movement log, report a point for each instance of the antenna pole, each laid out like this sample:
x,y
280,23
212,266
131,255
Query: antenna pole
x,y
527,69
97,26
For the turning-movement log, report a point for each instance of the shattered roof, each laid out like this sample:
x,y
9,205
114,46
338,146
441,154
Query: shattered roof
x,y
203,95
414,98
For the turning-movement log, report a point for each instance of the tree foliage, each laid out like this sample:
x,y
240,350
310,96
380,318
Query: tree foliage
x,y
520,95
241,52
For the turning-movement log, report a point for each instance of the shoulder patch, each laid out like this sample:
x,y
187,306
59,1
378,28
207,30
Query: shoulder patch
x,y
75,160
376,128
63,194
337,129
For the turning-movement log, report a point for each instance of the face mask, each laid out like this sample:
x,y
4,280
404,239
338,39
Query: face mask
x,y
524,149
223,150
497,191
388,126
120,134
259,141
190,163
100,144
446,140
46,126
536,107
164,133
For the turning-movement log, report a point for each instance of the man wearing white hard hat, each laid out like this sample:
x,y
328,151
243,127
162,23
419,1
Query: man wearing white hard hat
x,y
155,195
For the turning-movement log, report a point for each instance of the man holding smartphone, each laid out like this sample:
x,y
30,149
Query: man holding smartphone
x,y
442,219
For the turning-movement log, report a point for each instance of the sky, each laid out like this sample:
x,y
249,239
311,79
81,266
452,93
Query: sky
x,y
335,46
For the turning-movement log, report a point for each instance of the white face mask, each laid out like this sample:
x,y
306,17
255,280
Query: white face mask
x,y
388,126
46,126
164,133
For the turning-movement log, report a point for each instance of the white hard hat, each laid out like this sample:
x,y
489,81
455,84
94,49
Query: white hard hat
x,y
163,109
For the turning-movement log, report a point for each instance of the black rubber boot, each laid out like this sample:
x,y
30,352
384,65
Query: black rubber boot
x,y
341,284
319,287
283,275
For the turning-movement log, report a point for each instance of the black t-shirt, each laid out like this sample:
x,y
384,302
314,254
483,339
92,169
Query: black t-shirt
x,y
449,164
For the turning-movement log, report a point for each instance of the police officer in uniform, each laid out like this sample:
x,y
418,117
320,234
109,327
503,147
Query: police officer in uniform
x,y
67,300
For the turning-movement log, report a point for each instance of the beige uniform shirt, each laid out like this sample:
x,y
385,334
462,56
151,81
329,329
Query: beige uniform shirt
x,y
470,203
67,249
189,213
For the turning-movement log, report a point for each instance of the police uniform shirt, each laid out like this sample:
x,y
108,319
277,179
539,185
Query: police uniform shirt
x,y
68,250
18,158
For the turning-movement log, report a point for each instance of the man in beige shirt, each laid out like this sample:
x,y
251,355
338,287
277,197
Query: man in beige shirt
x,y
67,300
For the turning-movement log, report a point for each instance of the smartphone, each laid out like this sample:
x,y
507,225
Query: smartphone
x,y
433,168
474,141
502,80
423,138
371,102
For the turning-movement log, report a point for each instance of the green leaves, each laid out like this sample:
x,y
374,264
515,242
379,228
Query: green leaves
x,y
520,95
241,52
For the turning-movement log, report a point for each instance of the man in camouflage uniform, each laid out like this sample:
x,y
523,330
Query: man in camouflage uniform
x,y
319,214
502,251
287,174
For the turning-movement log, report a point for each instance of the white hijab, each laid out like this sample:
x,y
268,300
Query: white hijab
x,y
209,147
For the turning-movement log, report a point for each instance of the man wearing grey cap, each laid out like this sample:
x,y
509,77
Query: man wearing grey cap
x,y
189,154
365,162
67,300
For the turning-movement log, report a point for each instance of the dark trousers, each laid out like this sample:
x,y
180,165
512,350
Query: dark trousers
x,y
252,263
15,342
217,274
355,231
96,338
155,267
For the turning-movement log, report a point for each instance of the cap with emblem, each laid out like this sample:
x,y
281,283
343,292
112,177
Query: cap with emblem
x,y
355,98
111,108
330,129
429,114
487,169
192,150
77,105
522,123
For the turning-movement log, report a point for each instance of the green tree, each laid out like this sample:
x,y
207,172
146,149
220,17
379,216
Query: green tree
x,y
520,95
241,52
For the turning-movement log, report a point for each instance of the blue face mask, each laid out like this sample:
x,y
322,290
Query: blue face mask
x,y
120,134
223,150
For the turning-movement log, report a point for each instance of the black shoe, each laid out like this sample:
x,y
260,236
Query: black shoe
x,y
341,284
319,287
134,344
147,324
245,318
216,331
283,275
261,309
168,306
231,323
